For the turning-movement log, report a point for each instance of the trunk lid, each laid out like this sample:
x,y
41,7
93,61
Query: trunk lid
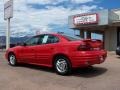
x,y
95,44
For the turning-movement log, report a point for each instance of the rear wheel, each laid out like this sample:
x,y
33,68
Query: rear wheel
x,y
12,60
62,65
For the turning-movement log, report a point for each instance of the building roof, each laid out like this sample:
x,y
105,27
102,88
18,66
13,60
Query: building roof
x,y
117,9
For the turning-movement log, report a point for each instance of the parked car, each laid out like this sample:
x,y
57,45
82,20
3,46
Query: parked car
x,y
118,50
59,51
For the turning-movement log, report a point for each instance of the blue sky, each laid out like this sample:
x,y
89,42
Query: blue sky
x,y
109,4
31,16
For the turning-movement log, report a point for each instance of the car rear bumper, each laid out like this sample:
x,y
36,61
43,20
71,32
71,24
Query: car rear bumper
x,y
83,59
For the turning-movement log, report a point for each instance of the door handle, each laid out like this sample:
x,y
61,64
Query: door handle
x,y
33,49
52,48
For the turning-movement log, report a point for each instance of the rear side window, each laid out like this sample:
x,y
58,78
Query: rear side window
x,y
71,38
47,39
52,39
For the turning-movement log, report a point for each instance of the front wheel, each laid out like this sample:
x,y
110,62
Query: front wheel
x,y
62,65
12,60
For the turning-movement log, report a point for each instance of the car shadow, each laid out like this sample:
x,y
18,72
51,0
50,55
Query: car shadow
x,y
92,71
118,57
36,67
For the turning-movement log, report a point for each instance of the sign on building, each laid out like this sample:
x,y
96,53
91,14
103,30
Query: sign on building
x,y
86,19
8,9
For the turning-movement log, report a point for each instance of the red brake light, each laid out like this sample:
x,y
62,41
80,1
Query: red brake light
x,y
90,45
84,47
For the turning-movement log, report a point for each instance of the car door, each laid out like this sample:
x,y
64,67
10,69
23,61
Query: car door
x,y
46,49
28,53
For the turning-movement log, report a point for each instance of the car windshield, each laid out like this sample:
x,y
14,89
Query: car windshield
x,y
72,38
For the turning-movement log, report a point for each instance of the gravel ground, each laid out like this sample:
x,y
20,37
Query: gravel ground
x,y
105,76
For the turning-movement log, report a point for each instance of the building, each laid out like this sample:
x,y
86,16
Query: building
x,y
104,22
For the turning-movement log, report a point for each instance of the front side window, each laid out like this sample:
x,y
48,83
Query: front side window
x,y
32,41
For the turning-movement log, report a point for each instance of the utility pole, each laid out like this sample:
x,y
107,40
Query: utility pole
x,y
8,14
8,34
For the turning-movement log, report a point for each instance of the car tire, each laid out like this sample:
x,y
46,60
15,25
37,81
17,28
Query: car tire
x,y
12,60
62,65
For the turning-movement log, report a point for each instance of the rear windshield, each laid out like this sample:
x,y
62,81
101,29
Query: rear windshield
x,y
72,38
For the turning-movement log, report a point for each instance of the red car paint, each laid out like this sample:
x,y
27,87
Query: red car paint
x,y
44,54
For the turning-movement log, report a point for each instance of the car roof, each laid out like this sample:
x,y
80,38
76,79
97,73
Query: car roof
x,y
55,34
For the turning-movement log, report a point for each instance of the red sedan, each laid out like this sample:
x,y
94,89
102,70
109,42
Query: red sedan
x,y
59,51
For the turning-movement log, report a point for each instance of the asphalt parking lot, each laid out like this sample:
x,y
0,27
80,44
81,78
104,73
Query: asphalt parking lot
x,y
28,77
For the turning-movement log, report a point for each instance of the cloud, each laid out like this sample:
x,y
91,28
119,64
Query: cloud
x,y
27,20
56,1
2,22
43,2
81,1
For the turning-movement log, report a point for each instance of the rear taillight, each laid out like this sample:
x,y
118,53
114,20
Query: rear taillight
x,y
84,47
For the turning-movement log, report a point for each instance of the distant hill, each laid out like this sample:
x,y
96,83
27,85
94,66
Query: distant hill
x,y
13,40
